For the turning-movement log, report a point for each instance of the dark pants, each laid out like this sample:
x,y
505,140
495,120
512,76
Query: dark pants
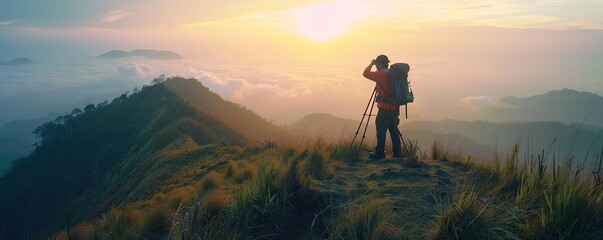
x,y
387,120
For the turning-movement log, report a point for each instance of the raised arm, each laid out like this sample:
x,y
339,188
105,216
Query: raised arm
x,y
371,75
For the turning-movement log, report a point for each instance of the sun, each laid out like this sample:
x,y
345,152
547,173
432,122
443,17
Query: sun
x,y
321,22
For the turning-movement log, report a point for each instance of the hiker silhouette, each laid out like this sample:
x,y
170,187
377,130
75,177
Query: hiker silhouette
x,y
387,116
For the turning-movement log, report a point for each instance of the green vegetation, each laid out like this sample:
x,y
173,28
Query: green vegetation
x,y
78,167
152,166
465,218
511,201
274,193
232,114
220,205
365,221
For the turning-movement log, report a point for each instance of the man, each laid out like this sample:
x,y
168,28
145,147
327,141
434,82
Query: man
x,y
387,117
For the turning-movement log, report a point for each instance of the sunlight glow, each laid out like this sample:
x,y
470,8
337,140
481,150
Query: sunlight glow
x,y
322,22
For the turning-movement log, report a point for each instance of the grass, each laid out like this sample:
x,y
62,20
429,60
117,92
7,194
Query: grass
x,y
316,165
156,222
343,151
438,152
265,207
528,202
214,202
559,206
211,181
264,193
368,220
289,154
241,171
411,149
467,218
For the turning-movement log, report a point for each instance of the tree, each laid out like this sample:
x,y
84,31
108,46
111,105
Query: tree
x,y
158,80
102,104
89,107
76,111
59,119
124,97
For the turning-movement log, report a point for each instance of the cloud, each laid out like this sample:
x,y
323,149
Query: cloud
x,y
477,101
6,23
136,70
240,90
30,90
476,7
113,16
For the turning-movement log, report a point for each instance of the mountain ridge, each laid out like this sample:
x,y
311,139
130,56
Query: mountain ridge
x,y
323,125
566,105
152,54
153,165
17,62
235,115
479,138
90,148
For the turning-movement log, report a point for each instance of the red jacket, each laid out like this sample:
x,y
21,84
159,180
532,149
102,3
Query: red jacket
x,y
382,87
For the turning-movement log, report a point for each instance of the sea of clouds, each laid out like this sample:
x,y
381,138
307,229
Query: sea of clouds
x,y
61,83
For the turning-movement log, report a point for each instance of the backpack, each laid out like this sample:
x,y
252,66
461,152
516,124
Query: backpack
x,y
400,92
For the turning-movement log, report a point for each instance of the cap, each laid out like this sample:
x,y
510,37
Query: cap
x,y
382,59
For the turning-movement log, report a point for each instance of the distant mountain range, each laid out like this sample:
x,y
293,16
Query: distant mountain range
x,y
477,138
564,141
325,126
568,106
17,62
235,115
567,123
336,129
152,54
94,159
16,139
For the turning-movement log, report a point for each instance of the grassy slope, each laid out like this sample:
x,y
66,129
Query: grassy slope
x,y
331,192
191,189
217,191
241,193
92,169
230,113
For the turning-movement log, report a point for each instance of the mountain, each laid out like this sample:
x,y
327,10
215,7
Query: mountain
x,y
11,149
326,126
16,139
23,128
235,115
17,62
568,106
559,139
480,139
108,154
335,129
154,166
152,54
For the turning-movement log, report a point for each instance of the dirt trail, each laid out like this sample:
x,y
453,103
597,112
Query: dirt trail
x,y
410,192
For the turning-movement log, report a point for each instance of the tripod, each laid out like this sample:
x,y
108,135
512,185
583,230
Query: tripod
x,y
370,103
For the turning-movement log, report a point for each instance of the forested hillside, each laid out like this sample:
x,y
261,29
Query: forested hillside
x,y
98,157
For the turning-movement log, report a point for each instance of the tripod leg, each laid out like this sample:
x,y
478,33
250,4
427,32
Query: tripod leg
x,y
363,115
365,128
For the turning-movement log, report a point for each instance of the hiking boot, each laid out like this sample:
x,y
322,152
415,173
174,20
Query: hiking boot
x,y
374,155
397,155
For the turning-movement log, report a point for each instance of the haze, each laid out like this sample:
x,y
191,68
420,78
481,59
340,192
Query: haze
x,y
285,59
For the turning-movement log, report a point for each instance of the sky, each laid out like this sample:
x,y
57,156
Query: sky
x,y
286,59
